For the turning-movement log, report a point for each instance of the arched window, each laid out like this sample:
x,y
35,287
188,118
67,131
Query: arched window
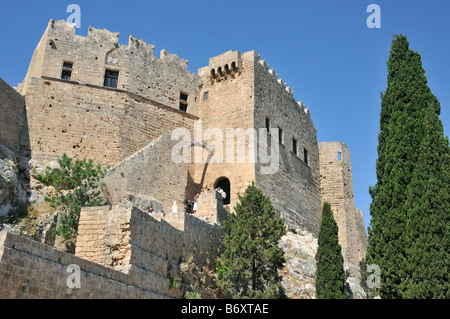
x,y
224,184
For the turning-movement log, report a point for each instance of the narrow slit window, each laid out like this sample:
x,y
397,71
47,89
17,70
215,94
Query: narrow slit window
x,y
67,71
280,135
294,146
339,156
111,79
305,156
267,125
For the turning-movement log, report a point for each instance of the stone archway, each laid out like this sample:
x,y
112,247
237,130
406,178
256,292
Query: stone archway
x,y
224,183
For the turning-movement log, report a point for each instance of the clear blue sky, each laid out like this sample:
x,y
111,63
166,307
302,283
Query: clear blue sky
x,y
323,49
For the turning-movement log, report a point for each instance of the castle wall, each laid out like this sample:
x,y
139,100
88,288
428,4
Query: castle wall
x,y
93,121
31,270
362,235
127,239
106,125
229,105
150,172
14,151
294,186
337,189
13,119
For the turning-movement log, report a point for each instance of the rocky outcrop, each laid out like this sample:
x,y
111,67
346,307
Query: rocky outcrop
x,y
299,273
14,182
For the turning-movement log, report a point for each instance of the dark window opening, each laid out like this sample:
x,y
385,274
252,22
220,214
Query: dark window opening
x,y
183,102
205,96
66,75
67,71
294,146
268,125
225,185
280,135
111,79
183,97
305,156
183,107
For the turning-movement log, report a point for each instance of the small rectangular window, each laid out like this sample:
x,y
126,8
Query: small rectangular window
x,y
183,97
183,107
205,96
267,125
339,156
305,156
294,146
111,79
67,71
184,102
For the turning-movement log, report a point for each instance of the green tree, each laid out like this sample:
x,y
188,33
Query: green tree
x,y
330,278
409,228
76,185
250,264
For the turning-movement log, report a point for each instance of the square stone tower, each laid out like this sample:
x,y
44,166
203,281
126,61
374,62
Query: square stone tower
x,y
337,189
244,104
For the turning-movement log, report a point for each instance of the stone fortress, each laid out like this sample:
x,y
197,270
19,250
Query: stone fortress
x,y
91,97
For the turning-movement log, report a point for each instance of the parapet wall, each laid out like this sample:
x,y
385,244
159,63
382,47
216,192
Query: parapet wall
x,y
31,270
126,238
121,253
150,172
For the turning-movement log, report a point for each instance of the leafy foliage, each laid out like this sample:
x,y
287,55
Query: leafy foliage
x,y
330,279
249,266
76,185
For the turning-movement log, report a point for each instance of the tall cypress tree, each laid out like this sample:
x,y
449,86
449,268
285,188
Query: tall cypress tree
x,y
330,279
413,159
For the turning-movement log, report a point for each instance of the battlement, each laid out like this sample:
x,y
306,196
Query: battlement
x,y
225,65
282,83
135,45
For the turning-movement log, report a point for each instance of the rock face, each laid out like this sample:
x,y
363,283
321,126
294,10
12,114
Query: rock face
x,y
299,273
13,182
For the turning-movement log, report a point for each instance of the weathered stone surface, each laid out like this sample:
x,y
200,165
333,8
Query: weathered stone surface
x,y
300,269
14,150
150,172
13,193
337,189
354,289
